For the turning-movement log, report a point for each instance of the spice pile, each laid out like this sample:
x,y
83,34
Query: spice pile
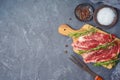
x,y
106,16
83,12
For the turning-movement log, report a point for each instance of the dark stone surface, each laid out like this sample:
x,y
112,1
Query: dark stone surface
x,y
30,46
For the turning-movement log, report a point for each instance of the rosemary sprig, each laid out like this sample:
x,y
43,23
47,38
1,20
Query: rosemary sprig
x,y
78,34
107,62
104,46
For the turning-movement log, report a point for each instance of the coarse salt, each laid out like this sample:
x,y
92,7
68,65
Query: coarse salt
x,y
105,16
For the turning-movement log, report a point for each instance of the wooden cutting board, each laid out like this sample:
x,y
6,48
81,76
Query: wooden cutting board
x,y
65,30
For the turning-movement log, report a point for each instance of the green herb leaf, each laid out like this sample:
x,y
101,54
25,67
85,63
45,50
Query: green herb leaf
x,y
104,46
82,51
106,62
78,34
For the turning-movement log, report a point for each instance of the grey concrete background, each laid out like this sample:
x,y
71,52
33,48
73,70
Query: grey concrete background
x,y
30,46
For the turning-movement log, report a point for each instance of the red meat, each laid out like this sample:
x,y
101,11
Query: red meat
x,y
91,41
102,55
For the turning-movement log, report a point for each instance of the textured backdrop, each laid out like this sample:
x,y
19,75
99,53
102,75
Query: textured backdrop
x,y
30,46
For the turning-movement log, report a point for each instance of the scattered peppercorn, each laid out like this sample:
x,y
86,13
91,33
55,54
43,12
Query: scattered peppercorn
x,y
70,18
65,51
66,45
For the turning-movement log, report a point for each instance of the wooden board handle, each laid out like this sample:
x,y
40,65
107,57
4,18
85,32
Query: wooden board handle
x,y
65,29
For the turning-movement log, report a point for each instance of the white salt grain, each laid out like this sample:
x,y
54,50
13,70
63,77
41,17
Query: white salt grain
x,y
105,16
